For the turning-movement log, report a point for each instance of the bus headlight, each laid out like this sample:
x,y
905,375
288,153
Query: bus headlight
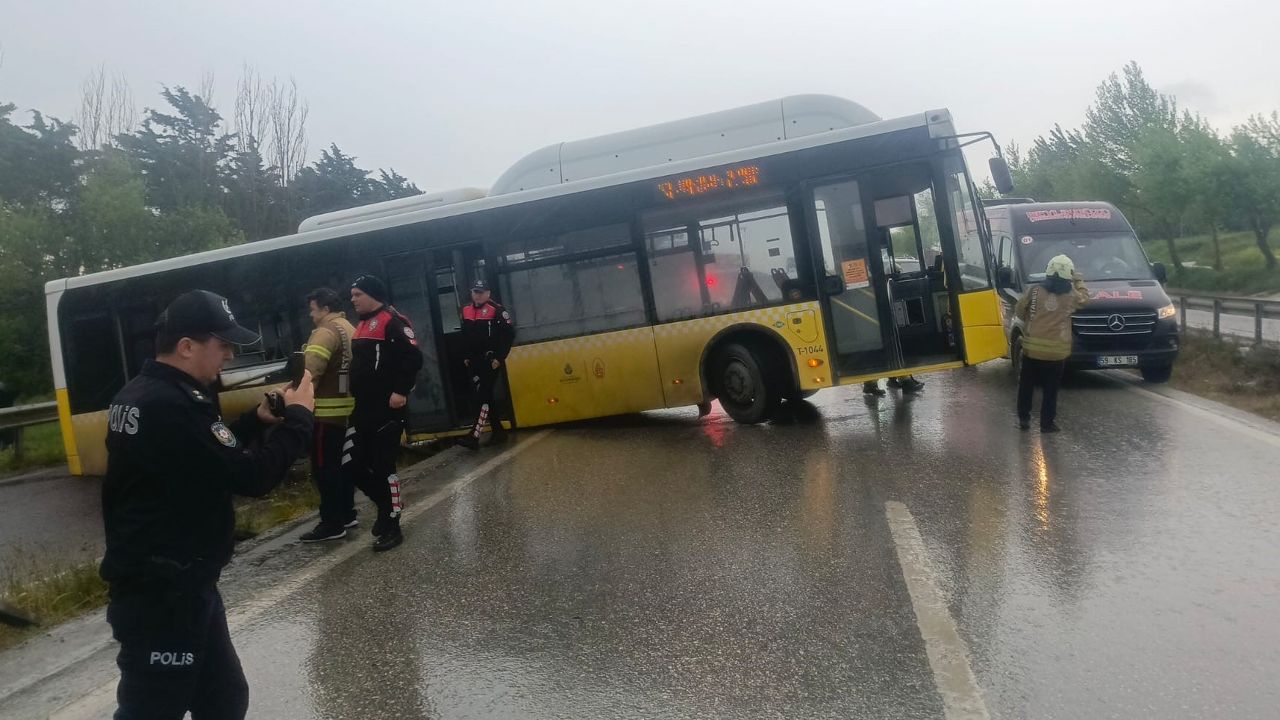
x,y
1167,311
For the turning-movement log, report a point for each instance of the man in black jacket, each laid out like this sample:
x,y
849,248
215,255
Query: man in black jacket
x,y
385,361
173,466
487,335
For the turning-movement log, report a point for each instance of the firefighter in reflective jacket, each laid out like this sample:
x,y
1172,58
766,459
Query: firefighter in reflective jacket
x,y
173,466
328,355
385,360
487,334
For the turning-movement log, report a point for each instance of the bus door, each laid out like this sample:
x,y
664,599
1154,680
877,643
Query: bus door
x,y
889,307
412,284
454,270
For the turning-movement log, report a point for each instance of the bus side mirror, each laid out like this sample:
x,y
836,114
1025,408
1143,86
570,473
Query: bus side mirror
x,y
832,285
1004,277
1000,175
1161,274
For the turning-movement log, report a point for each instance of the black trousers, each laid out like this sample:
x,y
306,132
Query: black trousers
x,y
175,656
1048,375
486,381
369,455
337,494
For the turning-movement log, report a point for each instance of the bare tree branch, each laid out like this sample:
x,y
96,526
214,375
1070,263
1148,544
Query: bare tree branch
x,y
288,150
122,113
207,85
90,117
252,111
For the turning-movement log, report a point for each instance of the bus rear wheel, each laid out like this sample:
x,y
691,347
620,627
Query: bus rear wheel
x,y
743,383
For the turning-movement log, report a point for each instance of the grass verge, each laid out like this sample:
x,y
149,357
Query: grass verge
x,y
54,591
1243,269
295,497
1242,377
50,591
41,447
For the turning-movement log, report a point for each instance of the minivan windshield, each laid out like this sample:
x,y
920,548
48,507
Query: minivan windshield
x,y
1097,256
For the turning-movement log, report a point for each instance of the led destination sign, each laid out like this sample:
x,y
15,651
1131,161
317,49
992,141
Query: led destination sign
x,y
699,185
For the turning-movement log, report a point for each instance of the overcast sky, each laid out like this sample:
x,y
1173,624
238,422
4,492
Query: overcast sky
x,y
450,94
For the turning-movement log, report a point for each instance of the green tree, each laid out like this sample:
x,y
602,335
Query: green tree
x,y
1256,146
183,156
38,162
1161,193
1124,108
335,182
1209,174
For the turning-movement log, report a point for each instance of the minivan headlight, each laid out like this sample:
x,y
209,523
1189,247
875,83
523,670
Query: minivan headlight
x,y
1167,311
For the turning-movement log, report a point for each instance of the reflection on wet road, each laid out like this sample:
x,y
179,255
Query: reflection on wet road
x,y
669,566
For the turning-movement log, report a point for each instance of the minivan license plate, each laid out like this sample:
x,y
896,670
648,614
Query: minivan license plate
x,y
1117,360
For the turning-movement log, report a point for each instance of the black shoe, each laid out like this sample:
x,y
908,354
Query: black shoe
x,y
911,385
353,522
389,540
1024,424
1050,428
872,388
323,532
469,441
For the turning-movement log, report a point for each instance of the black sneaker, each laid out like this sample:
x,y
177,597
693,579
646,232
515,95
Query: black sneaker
x,y
391,539
1050,428
872,388
353,522
1024,424
322,532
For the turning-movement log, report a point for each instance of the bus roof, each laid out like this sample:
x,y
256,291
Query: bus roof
x,y
742,127
938,122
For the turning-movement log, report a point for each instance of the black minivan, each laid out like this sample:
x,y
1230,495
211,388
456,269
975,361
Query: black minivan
x,y
1129,320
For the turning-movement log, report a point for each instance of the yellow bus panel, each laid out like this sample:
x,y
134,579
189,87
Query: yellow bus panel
x,y
584,377
983,327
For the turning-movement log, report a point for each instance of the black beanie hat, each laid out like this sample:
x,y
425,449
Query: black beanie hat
x,y
373,287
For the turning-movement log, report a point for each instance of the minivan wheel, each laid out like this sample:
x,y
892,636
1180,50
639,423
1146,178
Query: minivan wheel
x,y
745,393
1157,373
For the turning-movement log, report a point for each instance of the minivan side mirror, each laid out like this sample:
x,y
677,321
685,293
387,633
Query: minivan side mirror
x,y
1000,175
832,285
1004,277
1161,274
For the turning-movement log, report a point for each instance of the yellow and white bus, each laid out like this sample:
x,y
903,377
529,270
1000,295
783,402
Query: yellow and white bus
x,y
751,256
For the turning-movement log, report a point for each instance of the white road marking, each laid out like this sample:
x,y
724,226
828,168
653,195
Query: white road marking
x,y
99,702
947,651
1224,420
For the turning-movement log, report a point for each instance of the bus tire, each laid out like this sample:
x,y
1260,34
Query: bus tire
x,y
742,379
1157,373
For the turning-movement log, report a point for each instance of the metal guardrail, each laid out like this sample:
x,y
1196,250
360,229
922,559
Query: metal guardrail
x,y
1221,305
18,418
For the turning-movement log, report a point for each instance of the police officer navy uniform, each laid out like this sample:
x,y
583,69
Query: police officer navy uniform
x,y
173,465
487,334
385,361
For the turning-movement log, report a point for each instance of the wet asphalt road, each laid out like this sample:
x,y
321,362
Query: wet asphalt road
x,y
48,519
667,566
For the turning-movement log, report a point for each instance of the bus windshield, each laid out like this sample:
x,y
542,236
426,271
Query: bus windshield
x,y
1097,256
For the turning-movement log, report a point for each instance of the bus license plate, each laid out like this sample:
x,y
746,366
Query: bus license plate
x,y
1117,360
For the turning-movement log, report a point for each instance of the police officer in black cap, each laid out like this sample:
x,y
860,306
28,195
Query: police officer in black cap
x,y
173,466
385,360
487,334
